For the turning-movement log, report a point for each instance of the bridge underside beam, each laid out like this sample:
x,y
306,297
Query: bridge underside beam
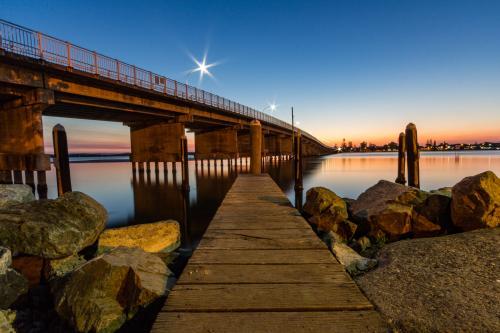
x,y
156,143
216,144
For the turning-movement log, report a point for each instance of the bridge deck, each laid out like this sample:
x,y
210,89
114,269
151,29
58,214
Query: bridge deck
x,y
260,268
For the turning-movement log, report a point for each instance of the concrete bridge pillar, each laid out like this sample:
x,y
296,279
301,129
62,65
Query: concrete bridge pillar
x,y
21,139
156,143
216,144
256,146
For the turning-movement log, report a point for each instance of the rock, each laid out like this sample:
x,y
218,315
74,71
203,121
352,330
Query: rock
x,y
14,194
422,227
476,202
52,228
57,268
7,318
329,212
437,209
389,207
439,284
319,199
12,286
103,293
30,267
5,259
364,243
344,230
353,263
163,236
349,202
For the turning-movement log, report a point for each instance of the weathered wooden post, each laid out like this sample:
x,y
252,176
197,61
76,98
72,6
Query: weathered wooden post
x,y
61,159
30,179
401,159
256,147
412,155
298,170
185,164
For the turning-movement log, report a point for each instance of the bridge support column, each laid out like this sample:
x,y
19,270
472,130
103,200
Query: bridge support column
x,y
256,146
156,143
216,144
21,139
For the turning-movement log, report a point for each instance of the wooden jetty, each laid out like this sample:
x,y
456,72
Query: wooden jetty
x,y
260,268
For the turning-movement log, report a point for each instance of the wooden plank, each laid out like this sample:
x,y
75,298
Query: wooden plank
x,y
254,322
235,274
259,239
262,257
266,297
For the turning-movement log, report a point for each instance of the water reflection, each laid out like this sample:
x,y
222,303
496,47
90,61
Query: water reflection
x,y
147,197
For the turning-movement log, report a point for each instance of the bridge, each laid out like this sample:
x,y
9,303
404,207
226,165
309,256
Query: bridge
x,y
43,75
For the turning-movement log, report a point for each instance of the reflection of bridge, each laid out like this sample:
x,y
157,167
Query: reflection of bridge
x,y
42,75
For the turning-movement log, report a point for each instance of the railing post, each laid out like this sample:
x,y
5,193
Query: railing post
x,y
135,75
187,97
412,156
40,46
401,159
96,64
151,80
117,70
175,88
61,160
68,50
165,85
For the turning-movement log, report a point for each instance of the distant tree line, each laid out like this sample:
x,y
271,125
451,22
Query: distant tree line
x,y
430,145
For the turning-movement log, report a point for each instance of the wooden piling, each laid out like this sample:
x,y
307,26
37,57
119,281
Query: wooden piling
x,y
185,163
18,177
41,179
412,155
298,161
401,159
30,179
256,147
63,176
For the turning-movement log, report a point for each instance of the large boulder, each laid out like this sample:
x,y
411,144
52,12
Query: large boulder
x,y
5,259
162,236
439,284
319,199
103,293
7,318
14,194
476,202
52,228
388,207
12,284
328,212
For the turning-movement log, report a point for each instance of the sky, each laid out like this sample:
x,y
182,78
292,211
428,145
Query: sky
x,y
359,70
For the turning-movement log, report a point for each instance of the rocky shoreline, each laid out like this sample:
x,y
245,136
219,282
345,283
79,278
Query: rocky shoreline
x,y
61,271
412,252
417,255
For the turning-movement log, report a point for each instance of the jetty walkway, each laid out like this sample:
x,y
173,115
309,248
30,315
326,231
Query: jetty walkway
x,y
260,268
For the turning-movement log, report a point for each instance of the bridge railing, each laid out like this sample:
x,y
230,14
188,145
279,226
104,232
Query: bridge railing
x,y
23,41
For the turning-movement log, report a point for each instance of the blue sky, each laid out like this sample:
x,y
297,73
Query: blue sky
x,y
359,70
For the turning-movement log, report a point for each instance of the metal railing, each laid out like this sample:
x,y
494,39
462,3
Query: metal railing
x,y
23,41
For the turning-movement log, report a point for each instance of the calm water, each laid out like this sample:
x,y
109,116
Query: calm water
x,y
131,200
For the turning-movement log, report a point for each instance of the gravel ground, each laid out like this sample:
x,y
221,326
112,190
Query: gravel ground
x,y
441,284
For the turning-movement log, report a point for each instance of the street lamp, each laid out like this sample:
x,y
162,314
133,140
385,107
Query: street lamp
x,y
270,106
